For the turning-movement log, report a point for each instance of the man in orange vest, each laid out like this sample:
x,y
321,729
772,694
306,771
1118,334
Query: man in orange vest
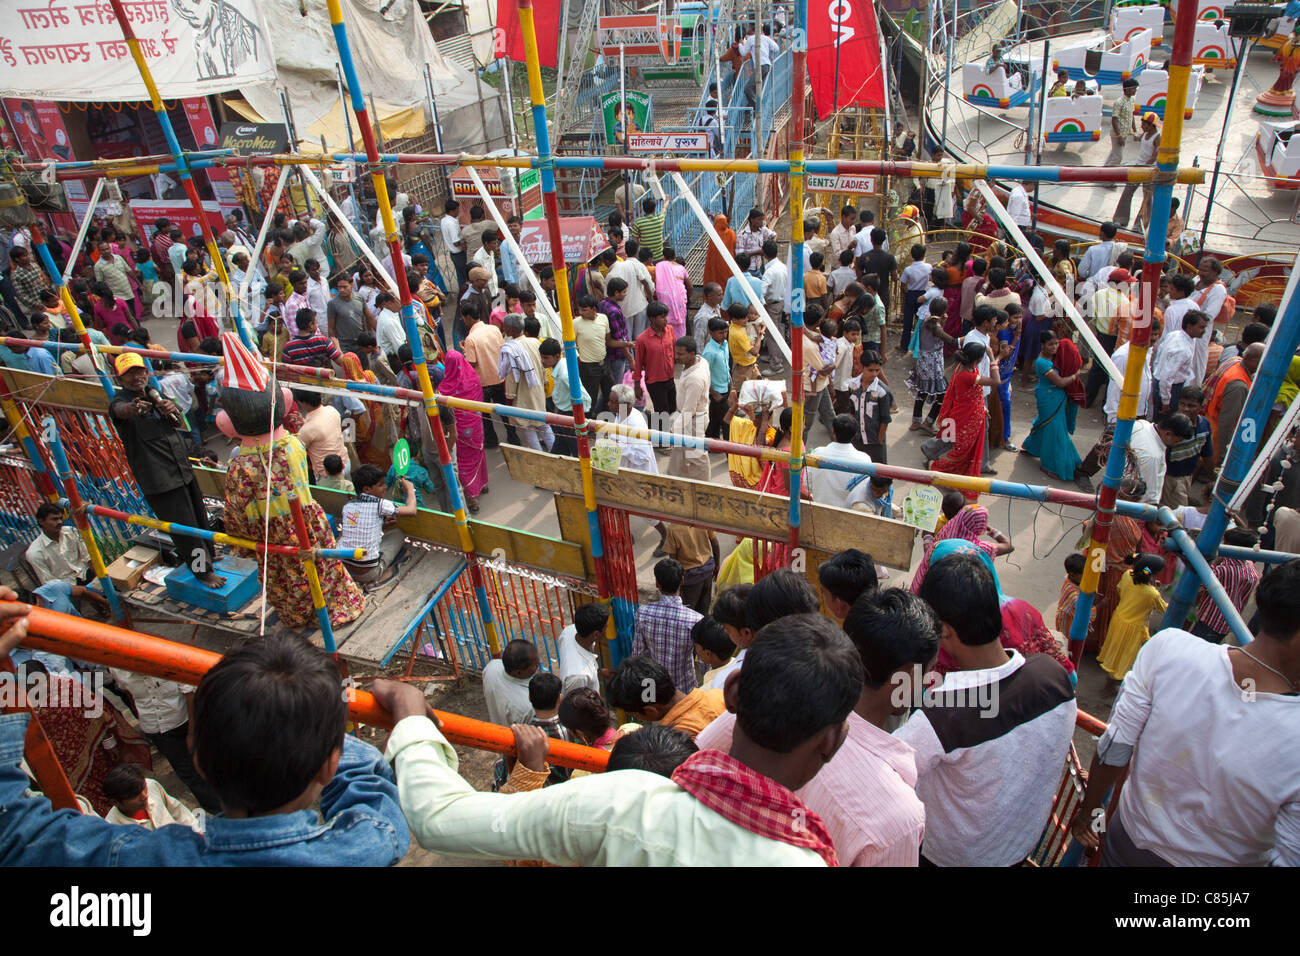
x,y
1229,399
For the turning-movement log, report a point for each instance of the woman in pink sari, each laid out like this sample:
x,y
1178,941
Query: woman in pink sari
x,y
673,289
970,524
461,381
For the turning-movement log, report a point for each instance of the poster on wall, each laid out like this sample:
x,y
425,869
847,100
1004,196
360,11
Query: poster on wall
x,y
74,49
38,128
146,211
623,114
199,115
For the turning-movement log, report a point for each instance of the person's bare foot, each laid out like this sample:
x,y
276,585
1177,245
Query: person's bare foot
x,y
213,581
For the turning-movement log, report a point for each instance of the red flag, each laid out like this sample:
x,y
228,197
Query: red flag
x,y
857,73
510,40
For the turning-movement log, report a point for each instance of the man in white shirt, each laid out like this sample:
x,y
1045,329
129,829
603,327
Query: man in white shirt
x,y
640,288
1018,206
991,739
776,287
1148,444
250,306
600,820
505,684
486,258
1114,388
58,553
1197,728
692,415
1175,364
829,486
318,296
579,660
451,238
845,235
164,709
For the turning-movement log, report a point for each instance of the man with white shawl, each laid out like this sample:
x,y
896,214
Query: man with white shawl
x,y
520,367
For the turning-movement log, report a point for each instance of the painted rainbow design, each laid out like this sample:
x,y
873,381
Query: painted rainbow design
x,y
1139,63
1131,33
1212,13
1069,125
982,90
1212,53
1158,100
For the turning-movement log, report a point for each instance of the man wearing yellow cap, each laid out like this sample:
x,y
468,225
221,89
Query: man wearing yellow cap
x,y
159,456
1148,146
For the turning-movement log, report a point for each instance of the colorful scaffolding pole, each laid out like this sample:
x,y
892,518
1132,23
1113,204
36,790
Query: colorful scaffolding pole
x,y
65,296
1180,66
538,98
51,431
408,320
796,134
183,167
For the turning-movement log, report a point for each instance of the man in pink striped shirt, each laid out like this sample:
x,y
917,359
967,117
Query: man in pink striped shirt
x,y
866,795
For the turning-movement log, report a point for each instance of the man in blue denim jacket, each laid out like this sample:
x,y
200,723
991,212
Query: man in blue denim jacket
x,y
269,736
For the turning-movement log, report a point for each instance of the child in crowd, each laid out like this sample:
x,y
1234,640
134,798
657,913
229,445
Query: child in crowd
x,y
713,647
545,693
842,376
175,383
1065,604
1128,630
814,282
334,477
141,801
927,379
871,403
363,525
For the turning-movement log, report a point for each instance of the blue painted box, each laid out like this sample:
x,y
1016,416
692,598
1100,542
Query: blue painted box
x,y
241,586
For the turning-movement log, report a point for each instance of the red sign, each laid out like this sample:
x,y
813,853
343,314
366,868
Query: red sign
x,y
580,236
509,39
850,25
638,35
38,124
204,128
179,211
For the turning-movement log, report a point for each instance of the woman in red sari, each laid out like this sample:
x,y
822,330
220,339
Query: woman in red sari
x,y
961,419
976,219
461,381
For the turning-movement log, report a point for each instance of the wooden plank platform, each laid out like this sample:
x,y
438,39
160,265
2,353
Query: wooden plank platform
x,y
722,507
390,608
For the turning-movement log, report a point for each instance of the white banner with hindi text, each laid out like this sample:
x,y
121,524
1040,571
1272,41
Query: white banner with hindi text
x,y
74,49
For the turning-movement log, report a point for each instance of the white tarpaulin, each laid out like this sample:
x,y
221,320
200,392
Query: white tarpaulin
x,y
390,44
74,49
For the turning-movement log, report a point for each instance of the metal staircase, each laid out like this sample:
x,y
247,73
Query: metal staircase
x,y
581,44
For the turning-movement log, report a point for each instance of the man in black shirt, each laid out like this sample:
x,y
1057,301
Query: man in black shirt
x,y
159,456
881,263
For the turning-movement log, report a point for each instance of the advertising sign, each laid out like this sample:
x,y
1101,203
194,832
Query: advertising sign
x,y
618,124
668,143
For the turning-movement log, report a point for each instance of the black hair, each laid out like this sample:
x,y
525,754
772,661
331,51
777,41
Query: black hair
x,y
668,575
688,343
1278,600
551,347
846,257
333,465
365,477
267,717
655,748
544,690
532,325
518,656
737,311
1179,424
305,317
1240,537
1183,283
801,675
816,260
844,428
584,711
615,286
1108,230
304,397
962,592
1192,393
918,251
48,509
870,357
1075,563
587,302
729,605
848,575
640,680
717,325
742,261
770,249
891,629
656,309
1254,331
709,633
124,782
778,595
590,618
1144,566
1265,314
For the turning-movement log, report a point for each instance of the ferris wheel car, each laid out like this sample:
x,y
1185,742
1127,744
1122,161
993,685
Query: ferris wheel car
x,y
990,89
1110,66
1068,119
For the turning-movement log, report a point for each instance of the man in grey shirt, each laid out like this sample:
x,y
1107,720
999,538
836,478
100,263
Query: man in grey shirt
x,y
347,316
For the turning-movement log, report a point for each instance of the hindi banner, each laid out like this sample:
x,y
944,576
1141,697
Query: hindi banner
x,y
74,49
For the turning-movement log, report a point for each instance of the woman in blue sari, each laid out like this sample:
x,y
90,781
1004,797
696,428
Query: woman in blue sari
x,y
1049,437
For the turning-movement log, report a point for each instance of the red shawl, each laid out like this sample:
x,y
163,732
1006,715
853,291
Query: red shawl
x,y
1067,362
750,800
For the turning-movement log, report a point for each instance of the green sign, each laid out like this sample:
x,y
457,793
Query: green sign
x,y
618,123
402,457
529,179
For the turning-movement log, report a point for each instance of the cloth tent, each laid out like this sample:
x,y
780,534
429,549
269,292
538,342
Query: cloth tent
x,y
390,43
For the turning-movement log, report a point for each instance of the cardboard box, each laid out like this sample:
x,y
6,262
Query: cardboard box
x,y
128,570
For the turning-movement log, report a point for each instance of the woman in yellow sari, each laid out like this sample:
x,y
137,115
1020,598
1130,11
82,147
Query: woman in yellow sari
x,y
378,429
